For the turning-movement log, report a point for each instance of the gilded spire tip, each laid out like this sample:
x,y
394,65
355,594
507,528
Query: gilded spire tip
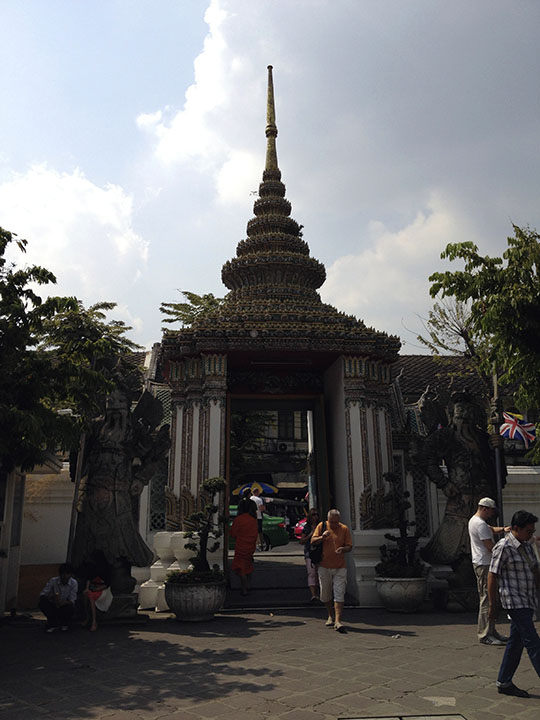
x,y
271,128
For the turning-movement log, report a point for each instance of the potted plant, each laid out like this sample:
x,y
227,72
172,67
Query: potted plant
x,y
401,575
197,593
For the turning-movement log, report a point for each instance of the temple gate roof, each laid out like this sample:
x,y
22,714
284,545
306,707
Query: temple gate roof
x,y
273,303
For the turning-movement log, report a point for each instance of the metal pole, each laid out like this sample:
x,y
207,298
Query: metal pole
x,y
312,484
497,441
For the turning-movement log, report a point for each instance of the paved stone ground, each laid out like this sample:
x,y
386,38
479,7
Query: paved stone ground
x,y
260,664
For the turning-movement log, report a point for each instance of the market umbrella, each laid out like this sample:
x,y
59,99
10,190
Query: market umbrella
x,y
263,487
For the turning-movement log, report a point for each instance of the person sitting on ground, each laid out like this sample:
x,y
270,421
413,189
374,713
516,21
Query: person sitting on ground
x,y
57,599
312,569
245,530
93,593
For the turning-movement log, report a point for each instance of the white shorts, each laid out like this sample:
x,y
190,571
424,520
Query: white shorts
x,y
332,580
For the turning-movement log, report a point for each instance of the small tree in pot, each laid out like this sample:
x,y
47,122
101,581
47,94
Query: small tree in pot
x,y
198,592
401,575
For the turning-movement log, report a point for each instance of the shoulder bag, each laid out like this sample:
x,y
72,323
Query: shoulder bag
x,y
315,551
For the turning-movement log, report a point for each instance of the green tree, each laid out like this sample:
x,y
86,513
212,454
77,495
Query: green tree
x,y
504,296
57,362
91,356
187,313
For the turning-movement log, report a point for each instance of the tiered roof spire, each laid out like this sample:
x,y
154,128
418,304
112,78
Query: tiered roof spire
x,y
274,256
273,300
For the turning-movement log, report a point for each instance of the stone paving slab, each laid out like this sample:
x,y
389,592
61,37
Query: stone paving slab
x,y
260,664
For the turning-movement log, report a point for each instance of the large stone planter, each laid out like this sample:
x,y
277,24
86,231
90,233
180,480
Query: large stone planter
x,y
401,594
195,602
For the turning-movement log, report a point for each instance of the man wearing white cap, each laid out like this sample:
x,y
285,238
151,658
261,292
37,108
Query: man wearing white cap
x,y
483,540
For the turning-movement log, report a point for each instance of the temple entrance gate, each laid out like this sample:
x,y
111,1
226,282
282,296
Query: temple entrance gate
x,y
271,342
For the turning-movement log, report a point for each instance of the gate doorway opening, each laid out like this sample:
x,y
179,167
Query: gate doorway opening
x,y
279,446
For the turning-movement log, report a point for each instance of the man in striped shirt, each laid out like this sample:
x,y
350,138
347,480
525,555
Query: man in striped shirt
x,y
515,574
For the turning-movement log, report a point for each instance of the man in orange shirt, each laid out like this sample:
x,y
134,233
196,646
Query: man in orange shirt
x,y
336,540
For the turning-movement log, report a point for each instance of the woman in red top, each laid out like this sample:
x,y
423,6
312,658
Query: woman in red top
x,y
93,591
245,530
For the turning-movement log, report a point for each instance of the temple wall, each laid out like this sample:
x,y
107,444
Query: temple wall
x,y
361,454
177,430
339,469
214,439
46,518
193,478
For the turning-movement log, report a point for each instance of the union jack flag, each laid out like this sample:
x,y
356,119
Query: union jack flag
x,y
515,429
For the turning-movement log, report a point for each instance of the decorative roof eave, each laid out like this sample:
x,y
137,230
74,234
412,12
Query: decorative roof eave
x,y
374,346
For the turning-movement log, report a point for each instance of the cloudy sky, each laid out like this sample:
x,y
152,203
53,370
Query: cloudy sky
x,y
132,139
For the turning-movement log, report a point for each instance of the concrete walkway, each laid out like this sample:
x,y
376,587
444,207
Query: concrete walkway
x,y
260,664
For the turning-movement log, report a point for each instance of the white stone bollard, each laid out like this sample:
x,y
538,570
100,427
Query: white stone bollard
x,y
141,575
181,553
148,594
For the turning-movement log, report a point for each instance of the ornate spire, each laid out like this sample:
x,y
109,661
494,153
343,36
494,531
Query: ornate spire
x,y
273,281
274,260
271,129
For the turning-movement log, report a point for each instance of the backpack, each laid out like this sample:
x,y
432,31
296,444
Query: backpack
x,y
315,551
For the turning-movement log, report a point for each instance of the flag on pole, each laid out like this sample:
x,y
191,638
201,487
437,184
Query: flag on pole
x,y
515,428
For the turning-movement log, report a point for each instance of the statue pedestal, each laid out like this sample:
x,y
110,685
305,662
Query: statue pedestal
x,y
123,609
437,583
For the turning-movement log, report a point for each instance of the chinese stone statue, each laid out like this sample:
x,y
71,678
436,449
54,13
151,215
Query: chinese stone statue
x,y
457,458
122,452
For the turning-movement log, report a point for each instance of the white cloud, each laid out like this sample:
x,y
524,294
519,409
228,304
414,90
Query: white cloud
x,y
188,134
201,133
236,178
81,232
386,282
150,121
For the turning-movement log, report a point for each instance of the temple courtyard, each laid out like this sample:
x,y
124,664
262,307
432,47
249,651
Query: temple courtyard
x,y
269,663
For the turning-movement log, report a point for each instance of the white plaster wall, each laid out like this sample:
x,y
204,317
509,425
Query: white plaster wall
x,y
46,518
371,447
522,491
195,449
383,420
214,438
178,449
356,452
335,403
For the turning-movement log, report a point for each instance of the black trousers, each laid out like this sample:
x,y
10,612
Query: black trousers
x,y
56,616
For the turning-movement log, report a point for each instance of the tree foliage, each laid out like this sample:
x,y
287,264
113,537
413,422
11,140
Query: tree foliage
x,y
504,296
57,362
91,356
187,313
450,332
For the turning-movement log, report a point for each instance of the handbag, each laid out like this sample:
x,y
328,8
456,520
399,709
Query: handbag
x,y
315,551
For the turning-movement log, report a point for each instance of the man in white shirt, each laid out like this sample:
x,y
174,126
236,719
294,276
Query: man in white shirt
x,y
57,599
260,509
483,540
